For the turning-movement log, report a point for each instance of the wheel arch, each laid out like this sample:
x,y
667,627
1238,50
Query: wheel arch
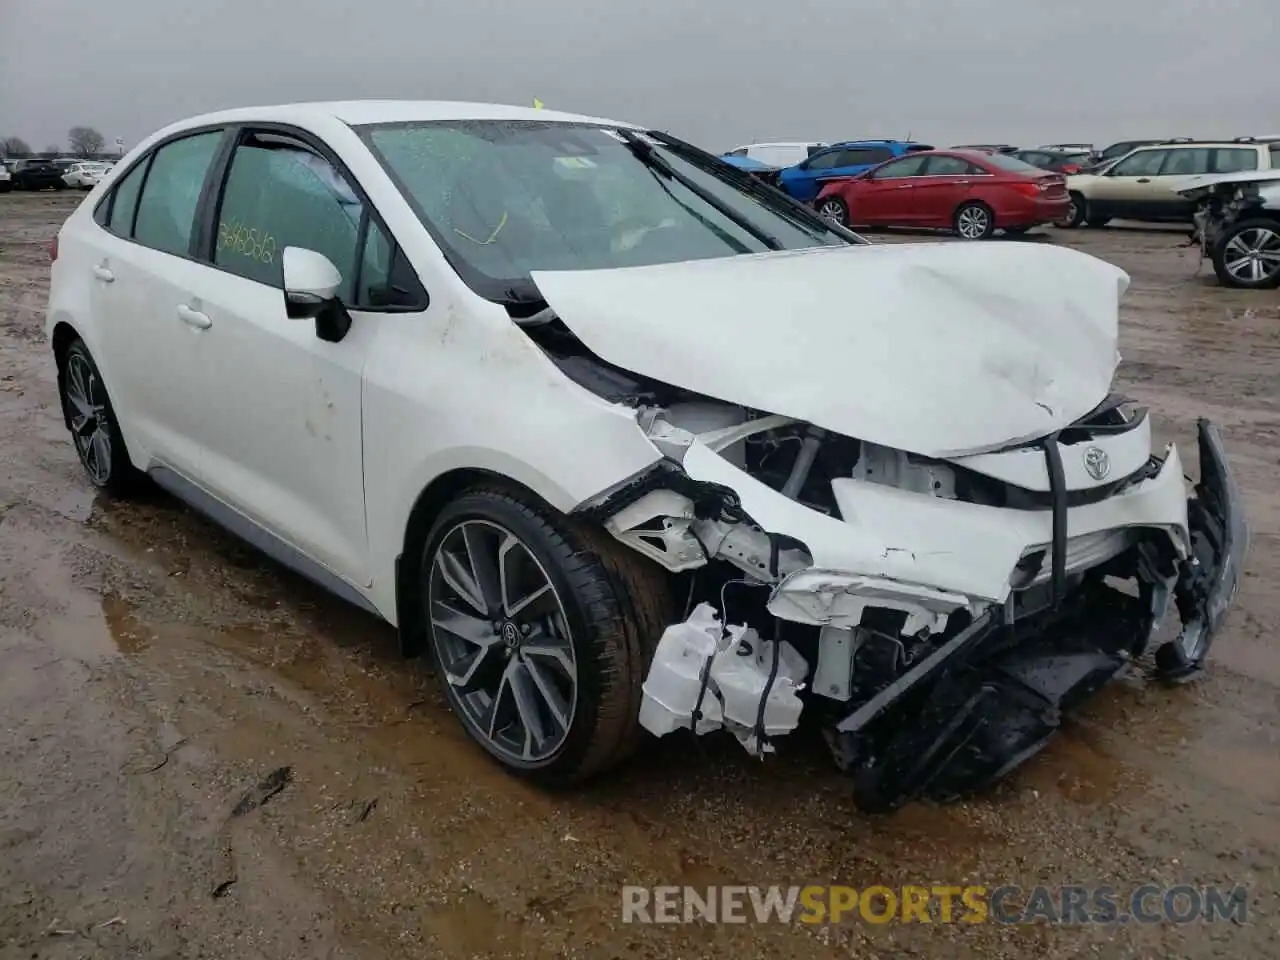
x,y
430,501
63,335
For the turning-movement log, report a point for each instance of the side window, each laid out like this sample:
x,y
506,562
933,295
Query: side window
x,y
1232,159
940,166
385,279
823,161
862,156
1275,156
281,194
906,167
1186,162
1144,163
167,208
124,200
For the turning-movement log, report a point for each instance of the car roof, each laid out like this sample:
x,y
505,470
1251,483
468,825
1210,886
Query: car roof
x,y
871,143
358,112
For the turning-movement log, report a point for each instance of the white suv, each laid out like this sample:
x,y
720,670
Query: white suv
x,y
1140,185
531,386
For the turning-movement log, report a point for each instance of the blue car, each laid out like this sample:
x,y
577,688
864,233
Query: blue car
x,y
805,179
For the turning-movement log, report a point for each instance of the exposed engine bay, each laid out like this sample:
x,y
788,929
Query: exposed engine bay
x,y
937,616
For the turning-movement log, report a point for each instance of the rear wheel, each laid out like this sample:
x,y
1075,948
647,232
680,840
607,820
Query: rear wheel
x,y
974,221
92,421
542,630
1248,255
834,209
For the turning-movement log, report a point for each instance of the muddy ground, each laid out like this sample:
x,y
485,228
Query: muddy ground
x,y
152,669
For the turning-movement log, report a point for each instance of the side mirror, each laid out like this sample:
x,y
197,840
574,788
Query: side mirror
x,y
311,285
310,281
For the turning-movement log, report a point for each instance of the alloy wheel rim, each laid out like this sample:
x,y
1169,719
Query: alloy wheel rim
x,y
1253,255
973,223
88,407
831,210
503,641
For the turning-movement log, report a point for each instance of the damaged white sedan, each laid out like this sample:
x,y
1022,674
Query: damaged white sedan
x,y
626,439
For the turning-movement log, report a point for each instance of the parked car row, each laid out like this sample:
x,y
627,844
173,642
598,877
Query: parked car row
x,y
45,173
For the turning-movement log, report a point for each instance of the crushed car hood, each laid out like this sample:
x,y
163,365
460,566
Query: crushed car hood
x,y
1186,185
939,349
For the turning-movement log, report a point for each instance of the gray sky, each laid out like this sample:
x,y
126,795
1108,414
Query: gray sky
x,y
718,72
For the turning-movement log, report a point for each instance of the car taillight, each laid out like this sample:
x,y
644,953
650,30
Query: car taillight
x,y
1027,188
1071,168
53,248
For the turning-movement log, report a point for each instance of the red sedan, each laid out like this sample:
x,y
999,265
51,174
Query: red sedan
x,y
969,192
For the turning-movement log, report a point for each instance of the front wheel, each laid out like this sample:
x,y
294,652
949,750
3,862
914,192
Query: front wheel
x,y
1248,255
542,630
1076,208
974,221
92,421
834,209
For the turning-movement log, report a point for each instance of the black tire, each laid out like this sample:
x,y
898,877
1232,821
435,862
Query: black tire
x,y
615,606
973,216
107,464
1096,223
1243,237
833,208
1075,212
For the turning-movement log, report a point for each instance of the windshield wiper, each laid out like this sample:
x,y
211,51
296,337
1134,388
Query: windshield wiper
x,y
645,153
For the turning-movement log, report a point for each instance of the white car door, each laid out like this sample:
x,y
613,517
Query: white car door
x,y
141,266
282,432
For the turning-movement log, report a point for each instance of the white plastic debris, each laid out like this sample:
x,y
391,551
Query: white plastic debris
x,y
675,676
740,663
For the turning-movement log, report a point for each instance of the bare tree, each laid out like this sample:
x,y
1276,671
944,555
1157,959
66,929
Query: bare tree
x,y
12,145
53,148
85,141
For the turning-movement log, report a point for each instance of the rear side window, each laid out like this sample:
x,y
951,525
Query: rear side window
x,y
281,194
862,156
167,208
1232,159
942,166
1186,162
125,201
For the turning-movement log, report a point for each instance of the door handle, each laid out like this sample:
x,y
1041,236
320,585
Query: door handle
x,y
1144,180
194,317
103,274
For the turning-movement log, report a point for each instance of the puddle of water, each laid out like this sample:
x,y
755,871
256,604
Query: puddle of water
x,y
468,926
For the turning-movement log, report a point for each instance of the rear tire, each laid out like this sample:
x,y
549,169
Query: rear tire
x,y
550,688
95,431
1247,255
974,221
1097,223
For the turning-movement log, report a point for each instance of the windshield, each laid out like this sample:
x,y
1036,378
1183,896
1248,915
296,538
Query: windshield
x,y
504,198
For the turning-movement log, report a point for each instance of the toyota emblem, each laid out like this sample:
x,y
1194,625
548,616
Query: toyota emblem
x,y
1096,463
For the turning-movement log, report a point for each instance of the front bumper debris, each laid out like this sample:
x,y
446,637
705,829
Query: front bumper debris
x,y
993,695
1209,579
